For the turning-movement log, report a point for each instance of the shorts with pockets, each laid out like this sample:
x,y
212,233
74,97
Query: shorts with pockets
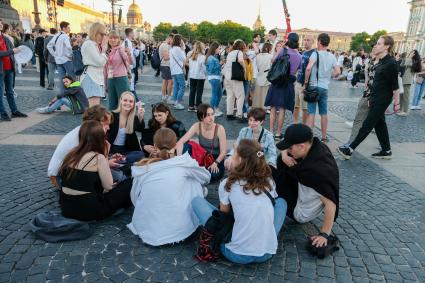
x,y
322,103
165,72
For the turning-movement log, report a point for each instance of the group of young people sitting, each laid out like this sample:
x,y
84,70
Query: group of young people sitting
x,y
101,167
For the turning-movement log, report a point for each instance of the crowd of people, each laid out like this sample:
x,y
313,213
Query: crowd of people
x,y
104,166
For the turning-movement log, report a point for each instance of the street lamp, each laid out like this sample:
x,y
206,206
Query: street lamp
x,y
339,41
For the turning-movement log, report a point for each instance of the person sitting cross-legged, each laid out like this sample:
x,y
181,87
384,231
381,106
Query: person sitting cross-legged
x,y
307,177
73,97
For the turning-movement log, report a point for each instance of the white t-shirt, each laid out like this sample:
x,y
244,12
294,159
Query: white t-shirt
x,y
309,206
231,57
327,63
253,232
177,58
163,49
67,143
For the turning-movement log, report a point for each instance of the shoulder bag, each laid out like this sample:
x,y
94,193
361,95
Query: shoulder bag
x,y
311,94
209,158
238,73
126,66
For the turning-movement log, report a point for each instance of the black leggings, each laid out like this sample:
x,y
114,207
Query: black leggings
x,y
96,206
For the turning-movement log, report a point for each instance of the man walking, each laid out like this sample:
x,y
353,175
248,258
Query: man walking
x,y
319,76
50,60
39,48
60,47
7,72
300,104
167,80
383,90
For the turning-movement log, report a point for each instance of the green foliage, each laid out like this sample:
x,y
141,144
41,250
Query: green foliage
x,y
161,31
261,31
365,40
205,31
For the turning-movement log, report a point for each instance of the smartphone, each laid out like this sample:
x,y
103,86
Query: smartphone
x,y
126,43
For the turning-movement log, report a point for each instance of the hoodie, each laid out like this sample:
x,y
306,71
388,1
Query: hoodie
x,y
162,193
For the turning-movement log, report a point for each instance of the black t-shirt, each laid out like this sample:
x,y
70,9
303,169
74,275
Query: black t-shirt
x,y
385,81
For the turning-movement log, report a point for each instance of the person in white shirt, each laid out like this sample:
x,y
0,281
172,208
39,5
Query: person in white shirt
x,y
272,38
163,188
94,56
177,59
128,44
60,47
250,192
197,75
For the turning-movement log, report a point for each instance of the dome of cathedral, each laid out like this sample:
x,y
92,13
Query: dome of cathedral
x,y
134,15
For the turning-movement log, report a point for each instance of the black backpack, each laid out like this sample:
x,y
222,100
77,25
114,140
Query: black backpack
x,y
280,71
77,59
155,60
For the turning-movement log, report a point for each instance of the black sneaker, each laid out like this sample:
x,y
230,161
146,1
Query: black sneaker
x,y
230,117
278,137
346,152
18,114
382,155
191,109
242,119
5,117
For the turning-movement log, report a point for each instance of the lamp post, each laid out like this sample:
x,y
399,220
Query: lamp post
x,y
113,4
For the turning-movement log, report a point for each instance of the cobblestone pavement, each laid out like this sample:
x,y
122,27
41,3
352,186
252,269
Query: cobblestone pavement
x,y
381,227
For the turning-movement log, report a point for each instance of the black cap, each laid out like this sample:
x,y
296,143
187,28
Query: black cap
x,y
42,30
295,134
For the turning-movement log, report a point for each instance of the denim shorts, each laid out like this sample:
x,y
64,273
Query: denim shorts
x,y
91,88
322,103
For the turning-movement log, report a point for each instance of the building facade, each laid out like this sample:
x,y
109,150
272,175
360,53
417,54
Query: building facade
x,y
340,41
415,33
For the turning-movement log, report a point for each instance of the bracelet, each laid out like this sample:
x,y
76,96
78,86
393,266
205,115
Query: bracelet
x,y
324,235
216,162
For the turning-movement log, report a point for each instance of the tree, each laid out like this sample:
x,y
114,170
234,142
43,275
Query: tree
x,y
374,38
361,41
229,31
206,32
261,31
162,30
187,30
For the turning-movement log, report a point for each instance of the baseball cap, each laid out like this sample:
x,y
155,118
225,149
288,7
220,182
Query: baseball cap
x,y
295,134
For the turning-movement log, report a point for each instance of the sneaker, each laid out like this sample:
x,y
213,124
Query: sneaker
x,y
191,109
49,88
278,137
382,155
171,101
5,117
178,106
217,112
413,107
245,115
418,108
164,98
268,111
42,110
345,151
18,114
401,114
15,94
230,117
325,140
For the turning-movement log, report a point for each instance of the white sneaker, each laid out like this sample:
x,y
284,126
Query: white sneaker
x,y
205,189
171,101
178,106
164,98
42,110
245,115
402,114
218,113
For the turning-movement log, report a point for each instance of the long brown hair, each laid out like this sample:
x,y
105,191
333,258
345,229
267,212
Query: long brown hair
x,y
164,140
389,41
161,107
198,49
253,168
211,50
92,137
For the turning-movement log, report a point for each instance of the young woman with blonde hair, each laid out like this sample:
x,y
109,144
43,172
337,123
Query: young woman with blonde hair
x,y
162,212
122,133
94,56
197,75
116,69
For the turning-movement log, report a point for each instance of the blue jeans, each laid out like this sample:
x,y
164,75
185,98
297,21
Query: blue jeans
x,y
419,90
216,93
65,69
58,103
178,87
6,84
246,87
203,210
322,103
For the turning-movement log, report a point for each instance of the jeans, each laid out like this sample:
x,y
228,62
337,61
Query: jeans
x,y
375,120
203,210
116,86
322,103
58,103
246,87
51,75
419,90
6,84
130,156
196,90
65,69
217,176
216,93
178,87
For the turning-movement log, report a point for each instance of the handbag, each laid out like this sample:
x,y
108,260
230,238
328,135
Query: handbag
x,y
238,72
311,94
129,76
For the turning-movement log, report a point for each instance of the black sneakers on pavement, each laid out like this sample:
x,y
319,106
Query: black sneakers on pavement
x,y
345,152
18,114
5,117
382,155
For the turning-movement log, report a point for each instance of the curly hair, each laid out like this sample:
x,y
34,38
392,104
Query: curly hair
x,y
253,169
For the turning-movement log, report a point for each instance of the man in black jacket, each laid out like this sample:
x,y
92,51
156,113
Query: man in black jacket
x,y
39,49
382,91
307,177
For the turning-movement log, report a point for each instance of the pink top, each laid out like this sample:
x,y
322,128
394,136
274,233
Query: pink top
x,y
118,63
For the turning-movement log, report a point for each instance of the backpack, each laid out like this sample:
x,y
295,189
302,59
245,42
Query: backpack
x,y
155,60
77,59
280,70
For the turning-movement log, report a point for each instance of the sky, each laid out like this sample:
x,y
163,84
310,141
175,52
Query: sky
x,y
327,15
